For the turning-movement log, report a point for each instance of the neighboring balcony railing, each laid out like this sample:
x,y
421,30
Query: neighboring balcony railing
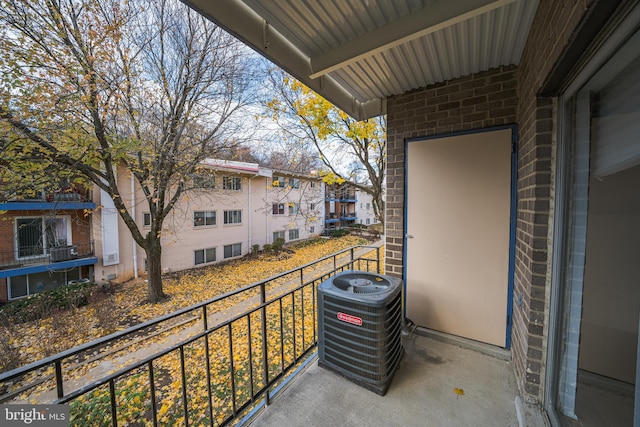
x,y
212,361
348,216
64,194
31,255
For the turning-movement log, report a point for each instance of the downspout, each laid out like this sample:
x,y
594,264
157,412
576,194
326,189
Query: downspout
x,y
249,210
249,213
133,241
266,197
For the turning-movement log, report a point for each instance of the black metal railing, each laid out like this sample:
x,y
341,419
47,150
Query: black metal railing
x,y
30,255
216,359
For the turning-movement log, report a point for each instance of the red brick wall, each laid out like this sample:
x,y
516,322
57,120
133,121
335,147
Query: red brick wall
x,y
80,232
6,244
4,292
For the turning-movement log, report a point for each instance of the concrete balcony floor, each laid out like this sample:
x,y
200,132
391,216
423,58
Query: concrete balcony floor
x,y
426,390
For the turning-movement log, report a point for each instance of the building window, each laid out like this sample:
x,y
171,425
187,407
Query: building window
x,y
146,219
234,250
18,287
312,207
232,183
202,218
203,256
278,235
35,235
294,234
368,221
313,184
205,181
29,284
368,206
294,208
278,208
312,229
278,181
294,183
233,217
593,239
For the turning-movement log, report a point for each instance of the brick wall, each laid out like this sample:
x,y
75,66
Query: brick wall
x,y
554,23
4,292
500,96
6,243
477,101
80,232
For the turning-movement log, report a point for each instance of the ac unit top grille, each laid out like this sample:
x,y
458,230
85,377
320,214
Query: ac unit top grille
x,y
372,289
361,284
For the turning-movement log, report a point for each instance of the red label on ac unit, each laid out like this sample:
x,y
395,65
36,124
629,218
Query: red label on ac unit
x,y
350,319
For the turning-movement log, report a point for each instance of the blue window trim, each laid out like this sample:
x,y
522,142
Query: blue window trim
x,y
45,206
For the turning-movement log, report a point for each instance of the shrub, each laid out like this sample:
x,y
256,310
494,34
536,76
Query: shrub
x,y
309,242
341,232
278,244
255,249
44,303
266,248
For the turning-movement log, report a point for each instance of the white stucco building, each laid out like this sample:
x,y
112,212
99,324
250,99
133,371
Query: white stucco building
x,y
238,205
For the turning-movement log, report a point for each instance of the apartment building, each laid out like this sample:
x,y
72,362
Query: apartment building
x,y
364,208
76,234
45,241
234,207
340,206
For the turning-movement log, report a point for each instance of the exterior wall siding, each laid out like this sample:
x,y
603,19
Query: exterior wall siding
x,y
365,215
180,238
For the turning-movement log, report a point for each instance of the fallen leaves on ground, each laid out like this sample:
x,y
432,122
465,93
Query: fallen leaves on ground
x,y
235,356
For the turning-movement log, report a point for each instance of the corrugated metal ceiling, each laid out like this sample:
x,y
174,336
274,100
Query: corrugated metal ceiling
x,y
358,52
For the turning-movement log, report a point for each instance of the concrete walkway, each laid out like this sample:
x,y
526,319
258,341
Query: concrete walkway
x,y
438,383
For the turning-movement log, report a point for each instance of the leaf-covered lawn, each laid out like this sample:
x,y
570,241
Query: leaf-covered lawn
x,y
235,362
127,306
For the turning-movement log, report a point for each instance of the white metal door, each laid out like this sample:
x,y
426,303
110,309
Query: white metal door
x,y
458,234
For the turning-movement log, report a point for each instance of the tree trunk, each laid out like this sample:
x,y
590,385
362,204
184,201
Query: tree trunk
x,y
153,250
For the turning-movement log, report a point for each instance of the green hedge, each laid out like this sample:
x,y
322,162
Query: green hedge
x,y
341,232
40,305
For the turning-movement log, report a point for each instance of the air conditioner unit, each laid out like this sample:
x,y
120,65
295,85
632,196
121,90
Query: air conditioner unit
x,y
359,327
63,253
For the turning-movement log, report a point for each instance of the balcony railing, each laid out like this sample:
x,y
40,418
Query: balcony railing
x,y
32,255
220,357
64,194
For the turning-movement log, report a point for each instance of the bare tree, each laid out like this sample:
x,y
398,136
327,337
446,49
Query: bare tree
x,y
350,150
92,85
